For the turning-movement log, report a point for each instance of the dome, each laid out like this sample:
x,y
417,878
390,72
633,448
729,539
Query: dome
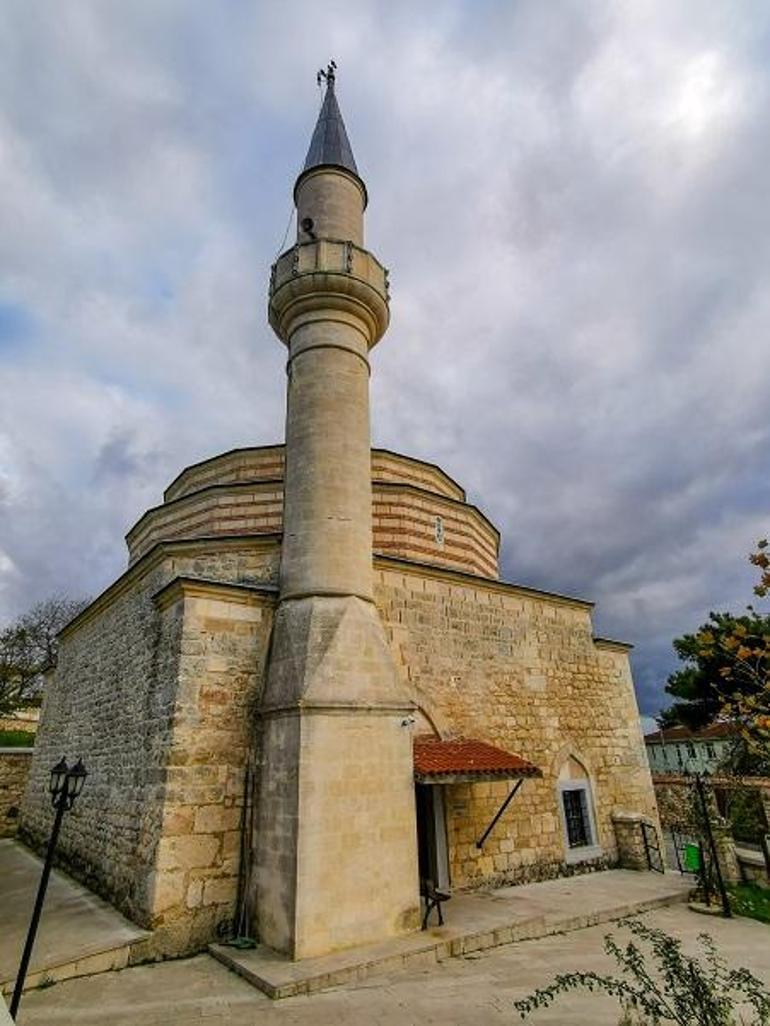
x,y
419,513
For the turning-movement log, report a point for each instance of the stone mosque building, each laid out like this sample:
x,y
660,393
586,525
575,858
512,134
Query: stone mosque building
x,y
310,692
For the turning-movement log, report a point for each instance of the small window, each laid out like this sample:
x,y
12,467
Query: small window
x,y
576,807
691,749
576,817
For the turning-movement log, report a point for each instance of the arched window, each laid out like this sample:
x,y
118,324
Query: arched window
x,y
576,806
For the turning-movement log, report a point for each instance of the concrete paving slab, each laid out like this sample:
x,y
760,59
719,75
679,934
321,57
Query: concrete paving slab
x,y
474,922
475,990
79,934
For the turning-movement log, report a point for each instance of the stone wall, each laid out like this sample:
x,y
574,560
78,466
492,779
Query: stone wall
x,y
158,681
674,802
629,836
752,865
680,811
521,670
223,634
107,703
673,793
14,770
140,692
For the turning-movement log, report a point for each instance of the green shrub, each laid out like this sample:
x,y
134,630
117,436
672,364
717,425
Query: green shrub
x,y
16,739
675,988
751,900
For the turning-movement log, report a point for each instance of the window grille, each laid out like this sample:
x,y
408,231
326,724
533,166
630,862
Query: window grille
x,y
576,817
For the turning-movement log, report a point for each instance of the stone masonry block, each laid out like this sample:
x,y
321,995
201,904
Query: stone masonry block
x,y
187,852
220,892
194,895
167,890
216,819
179,820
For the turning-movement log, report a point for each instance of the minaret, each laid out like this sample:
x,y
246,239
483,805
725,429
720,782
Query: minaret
x,y
336,859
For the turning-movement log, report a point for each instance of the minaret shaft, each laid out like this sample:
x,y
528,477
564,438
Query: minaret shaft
x,y
332,200
327,548
336,859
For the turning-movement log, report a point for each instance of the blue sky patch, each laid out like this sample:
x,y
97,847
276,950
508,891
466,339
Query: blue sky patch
x,y
16,325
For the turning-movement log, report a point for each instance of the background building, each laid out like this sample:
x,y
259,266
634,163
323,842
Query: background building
x,y
679,749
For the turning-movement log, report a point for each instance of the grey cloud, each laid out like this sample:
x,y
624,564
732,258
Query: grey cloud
x,y
570,196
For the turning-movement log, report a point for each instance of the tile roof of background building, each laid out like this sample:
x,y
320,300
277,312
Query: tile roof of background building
x,y
716,730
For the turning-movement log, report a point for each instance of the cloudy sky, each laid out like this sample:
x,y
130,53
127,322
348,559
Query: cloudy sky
x,y
572,198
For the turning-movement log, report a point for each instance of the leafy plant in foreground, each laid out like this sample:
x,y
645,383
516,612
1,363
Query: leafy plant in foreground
x,y
678,988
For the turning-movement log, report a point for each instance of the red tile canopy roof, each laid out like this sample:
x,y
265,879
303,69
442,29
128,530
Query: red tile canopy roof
x,y
465,759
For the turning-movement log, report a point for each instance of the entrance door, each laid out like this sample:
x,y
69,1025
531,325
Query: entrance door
x,y
431,835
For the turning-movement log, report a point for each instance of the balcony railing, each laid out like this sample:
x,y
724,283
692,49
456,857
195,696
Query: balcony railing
x,y
332,257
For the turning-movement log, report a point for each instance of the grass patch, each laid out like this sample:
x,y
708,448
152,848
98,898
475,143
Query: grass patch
x,y
750,900
16,739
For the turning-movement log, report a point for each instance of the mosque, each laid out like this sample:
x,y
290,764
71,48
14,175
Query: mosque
x,y
310,698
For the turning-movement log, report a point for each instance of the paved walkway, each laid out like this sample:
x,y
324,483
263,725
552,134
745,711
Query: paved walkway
x,y
78,931
474,990
474,922
81,935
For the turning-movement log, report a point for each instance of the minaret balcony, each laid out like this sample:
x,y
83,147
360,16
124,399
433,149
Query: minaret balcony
x,y
327,273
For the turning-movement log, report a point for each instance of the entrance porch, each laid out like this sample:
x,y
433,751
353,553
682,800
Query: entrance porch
x,y
475,922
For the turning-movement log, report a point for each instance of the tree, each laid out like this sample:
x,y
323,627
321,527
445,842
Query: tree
x,y
716,667
727,671
28,646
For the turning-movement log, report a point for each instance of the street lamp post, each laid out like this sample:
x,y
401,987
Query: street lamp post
x,y
65,786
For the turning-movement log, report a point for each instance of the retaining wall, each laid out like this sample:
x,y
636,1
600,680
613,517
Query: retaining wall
x,y
14,770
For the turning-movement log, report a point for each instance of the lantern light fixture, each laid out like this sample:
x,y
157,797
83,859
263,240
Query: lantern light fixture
x,y
58,777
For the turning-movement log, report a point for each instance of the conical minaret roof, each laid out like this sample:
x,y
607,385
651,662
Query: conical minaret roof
x,y
330,144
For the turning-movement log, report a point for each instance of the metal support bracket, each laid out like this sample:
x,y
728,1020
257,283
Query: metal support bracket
x,y
498,814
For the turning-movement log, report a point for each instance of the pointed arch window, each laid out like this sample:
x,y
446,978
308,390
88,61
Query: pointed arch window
x,y
576,807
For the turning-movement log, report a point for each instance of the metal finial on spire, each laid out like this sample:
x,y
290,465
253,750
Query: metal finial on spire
x,y
330,145
327,76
